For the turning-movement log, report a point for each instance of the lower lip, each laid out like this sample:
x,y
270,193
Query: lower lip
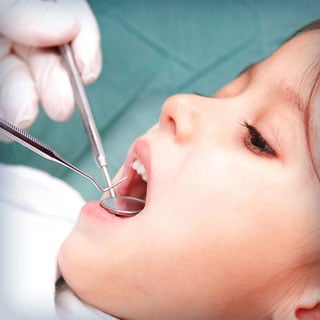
x,y
95,211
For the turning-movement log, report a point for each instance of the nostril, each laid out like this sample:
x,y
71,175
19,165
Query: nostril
x,y
172,125
168,122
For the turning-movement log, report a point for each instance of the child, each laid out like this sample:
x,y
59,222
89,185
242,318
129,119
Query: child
x,y
231,227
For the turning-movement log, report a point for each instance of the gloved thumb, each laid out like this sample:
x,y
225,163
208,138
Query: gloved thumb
x,y
37,23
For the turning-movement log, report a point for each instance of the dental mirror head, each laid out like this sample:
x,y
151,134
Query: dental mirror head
x,y
124,206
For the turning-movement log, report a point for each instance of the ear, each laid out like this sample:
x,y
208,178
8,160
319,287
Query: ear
x,y
312,313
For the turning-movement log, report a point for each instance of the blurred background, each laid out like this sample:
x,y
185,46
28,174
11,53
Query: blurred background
x,y
151,50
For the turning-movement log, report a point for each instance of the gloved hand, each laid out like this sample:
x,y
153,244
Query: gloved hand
x,y
31,70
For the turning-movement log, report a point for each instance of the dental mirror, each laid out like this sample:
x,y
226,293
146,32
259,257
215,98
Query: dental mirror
x,y
125,206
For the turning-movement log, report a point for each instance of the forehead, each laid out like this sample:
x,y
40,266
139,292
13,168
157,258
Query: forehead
x,y
293,70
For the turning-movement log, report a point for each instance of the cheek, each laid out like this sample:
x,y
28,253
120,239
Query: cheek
x,y
229,214
202,251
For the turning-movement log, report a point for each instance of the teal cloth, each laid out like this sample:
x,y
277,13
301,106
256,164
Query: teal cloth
x,y
151,50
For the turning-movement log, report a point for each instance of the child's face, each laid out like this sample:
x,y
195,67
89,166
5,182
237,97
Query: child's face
x,y
232,203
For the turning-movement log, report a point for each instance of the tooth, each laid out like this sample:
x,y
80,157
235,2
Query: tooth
x,y
135,165
138,166
144,177
140,169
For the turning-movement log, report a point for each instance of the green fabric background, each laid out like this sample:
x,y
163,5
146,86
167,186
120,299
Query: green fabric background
x,y
153,49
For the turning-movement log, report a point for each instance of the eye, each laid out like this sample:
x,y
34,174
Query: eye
x,y
256,143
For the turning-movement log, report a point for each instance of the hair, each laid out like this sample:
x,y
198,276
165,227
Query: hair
x,y
309,27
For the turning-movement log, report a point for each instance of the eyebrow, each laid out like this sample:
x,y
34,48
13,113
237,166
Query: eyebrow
x,y
290,95
286,92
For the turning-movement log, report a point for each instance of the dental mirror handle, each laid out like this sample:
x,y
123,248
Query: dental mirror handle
x,y
86,113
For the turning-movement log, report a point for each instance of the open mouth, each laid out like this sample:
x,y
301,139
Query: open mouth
x,y
137,181
131,194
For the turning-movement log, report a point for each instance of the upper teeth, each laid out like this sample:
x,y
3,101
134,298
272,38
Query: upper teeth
x,y
139,167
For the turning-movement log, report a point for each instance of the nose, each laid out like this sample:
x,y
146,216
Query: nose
x,y
183,115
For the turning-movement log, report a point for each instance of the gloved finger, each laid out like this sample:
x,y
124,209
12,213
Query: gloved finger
x,y
51,79
86,45
18,97
38,23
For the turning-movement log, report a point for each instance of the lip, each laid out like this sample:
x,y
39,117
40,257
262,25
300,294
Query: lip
x,y
139,150
93,210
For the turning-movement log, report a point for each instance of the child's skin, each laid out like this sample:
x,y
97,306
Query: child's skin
x,y
231,227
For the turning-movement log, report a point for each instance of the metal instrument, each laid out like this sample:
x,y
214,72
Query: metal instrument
x,y
119,205
45,151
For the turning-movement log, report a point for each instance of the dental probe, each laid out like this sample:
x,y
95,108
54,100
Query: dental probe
x,y
45,151
83,104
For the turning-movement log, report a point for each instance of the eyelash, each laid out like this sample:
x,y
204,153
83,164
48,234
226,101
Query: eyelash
x,y
201,94
255,142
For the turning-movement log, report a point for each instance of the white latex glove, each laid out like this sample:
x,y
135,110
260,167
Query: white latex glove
x,y
31,71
